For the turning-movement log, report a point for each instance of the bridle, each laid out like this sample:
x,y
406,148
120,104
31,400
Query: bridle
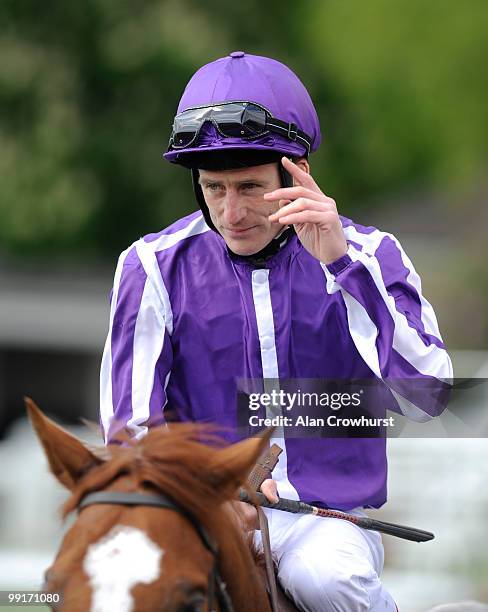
x,y
217,590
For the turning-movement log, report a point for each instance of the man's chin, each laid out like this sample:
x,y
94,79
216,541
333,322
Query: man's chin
x,y
245,247
241,249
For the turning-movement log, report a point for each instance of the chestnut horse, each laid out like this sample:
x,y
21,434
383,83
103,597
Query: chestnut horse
x,y
190,556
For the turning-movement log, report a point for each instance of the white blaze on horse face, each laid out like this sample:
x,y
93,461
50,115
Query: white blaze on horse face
x,y
116,563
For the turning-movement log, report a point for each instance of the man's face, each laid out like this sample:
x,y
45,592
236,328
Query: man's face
x,y
237,208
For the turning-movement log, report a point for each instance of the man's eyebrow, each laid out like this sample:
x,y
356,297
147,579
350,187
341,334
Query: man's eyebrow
x,y
257,181
207,181
244,181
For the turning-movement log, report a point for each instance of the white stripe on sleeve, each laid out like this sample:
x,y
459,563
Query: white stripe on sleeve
x,y
149,334
364,333
106,404
429,360
150,265
371,243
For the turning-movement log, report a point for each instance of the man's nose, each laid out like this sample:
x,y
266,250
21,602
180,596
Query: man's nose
x,y
234,209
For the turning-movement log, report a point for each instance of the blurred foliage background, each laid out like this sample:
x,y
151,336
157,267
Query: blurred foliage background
x,y
88,92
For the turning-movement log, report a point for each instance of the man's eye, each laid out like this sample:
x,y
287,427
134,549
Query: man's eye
x,y
250,185
213,187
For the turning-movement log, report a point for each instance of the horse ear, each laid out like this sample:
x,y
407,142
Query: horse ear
x,y
231,466
68,458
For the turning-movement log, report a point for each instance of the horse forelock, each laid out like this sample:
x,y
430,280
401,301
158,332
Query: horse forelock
x,y
171,460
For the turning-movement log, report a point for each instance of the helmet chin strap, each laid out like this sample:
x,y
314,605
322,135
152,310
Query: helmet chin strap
x,y
274,245
197,190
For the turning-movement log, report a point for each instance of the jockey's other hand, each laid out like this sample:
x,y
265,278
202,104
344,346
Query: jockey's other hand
x,y
270,490
246,514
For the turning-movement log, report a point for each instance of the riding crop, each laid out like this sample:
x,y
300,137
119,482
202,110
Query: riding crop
x,y
298,507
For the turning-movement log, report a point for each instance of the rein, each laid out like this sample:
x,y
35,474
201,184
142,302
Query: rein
x,y
216,584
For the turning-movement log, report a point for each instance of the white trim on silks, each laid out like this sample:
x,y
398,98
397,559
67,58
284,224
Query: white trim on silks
x,y
149,337
166,241
147,254
364,333
428,360
332,286
150,265
166,381
269,360
371,242
151,324
264,319
106,404
410,410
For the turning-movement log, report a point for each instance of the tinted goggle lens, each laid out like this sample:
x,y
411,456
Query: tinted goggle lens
x,y
235,120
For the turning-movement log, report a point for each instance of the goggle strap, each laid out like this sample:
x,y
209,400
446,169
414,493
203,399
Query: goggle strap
x,y
290,130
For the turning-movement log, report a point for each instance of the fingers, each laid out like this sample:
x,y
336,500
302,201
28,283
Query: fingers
x,y
244,515
302,177
270,490
306,216
306,187
292,193
301,205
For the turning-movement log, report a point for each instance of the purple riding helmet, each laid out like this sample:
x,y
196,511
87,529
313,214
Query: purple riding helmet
x,y
242,110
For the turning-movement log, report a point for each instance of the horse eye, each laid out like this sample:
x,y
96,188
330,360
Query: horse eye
x,y
195,604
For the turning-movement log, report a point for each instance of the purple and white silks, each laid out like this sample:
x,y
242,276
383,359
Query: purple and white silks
x,y
188,319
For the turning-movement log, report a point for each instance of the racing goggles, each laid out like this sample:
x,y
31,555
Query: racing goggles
x,y
234,120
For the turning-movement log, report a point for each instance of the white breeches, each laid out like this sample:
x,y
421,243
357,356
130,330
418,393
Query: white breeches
x,y
325,564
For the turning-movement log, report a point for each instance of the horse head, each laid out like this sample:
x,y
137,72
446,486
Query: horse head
x,y
131,558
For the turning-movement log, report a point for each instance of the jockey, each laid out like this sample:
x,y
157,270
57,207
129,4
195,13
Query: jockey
x,y
267,281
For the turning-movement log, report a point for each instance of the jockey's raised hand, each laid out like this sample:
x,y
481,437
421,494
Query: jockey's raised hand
x,y
312,213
